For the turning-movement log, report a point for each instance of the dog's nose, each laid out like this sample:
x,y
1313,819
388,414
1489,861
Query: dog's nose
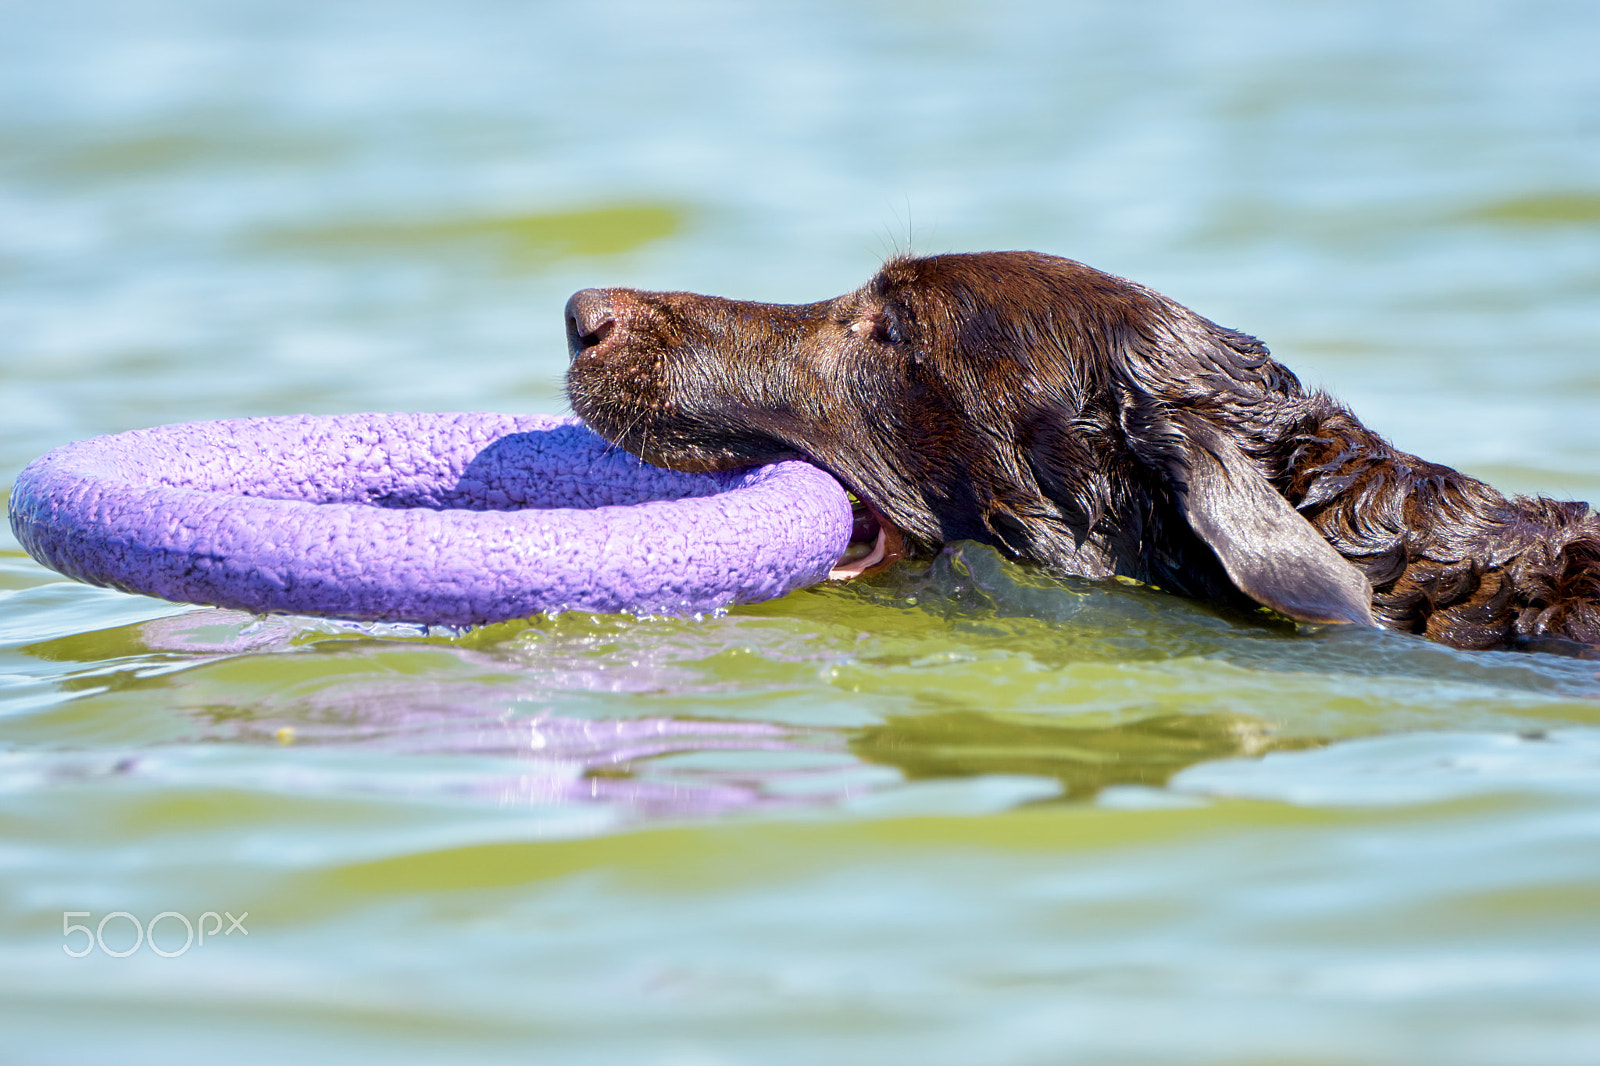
x,y
590,320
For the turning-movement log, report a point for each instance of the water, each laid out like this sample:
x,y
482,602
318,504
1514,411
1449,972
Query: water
x,y
961,813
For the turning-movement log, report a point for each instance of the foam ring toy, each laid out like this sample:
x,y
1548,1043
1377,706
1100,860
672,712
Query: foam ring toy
x,y
439,519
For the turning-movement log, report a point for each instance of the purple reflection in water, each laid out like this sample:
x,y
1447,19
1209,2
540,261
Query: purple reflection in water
x,y
562,760
503,715
216,632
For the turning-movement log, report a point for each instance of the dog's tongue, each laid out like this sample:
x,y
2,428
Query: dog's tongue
x,y
875,543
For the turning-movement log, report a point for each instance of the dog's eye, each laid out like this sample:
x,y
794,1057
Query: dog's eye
x,y
880,329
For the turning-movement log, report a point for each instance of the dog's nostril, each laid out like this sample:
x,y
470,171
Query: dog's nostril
x,y
591,337
589,320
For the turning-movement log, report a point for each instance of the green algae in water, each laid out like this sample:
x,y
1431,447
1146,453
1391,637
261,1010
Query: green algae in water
x,y
1549,209
522,241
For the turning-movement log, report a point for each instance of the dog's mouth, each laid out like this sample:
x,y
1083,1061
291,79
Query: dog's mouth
x,y
875,544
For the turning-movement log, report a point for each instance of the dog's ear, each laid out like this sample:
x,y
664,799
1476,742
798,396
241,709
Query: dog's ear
x,y
1269,551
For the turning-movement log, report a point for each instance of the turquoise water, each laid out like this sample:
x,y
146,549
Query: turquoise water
x,y
959,813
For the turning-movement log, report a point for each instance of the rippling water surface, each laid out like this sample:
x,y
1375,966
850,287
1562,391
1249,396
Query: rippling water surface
x,y
961,813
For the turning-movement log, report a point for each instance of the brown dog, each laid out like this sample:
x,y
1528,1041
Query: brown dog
x,y
1087,424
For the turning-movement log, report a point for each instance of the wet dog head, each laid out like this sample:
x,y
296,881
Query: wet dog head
x,y
1066,416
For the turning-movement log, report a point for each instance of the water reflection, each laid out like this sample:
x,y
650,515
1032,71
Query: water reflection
x,y
1084,757
498,737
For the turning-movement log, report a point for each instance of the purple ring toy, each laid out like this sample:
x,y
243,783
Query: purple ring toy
x,y
440,519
